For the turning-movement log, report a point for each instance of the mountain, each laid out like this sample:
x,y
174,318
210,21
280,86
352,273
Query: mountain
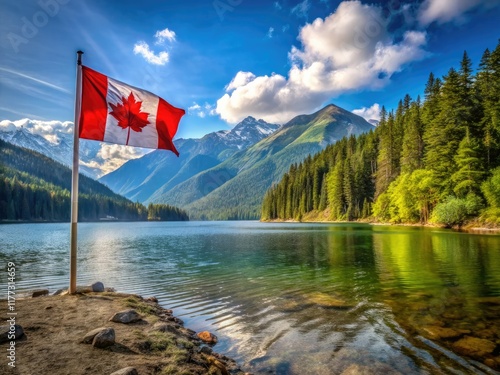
x,y
34,187
234,188
158,172
60,149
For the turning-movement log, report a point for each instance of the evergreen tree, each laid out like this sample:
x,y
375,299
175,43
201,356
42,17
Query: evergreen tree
x,y
386,168
444,133
413,145
469,174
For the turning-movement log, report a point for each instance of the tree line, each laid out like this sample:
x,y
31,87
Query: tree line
x,y
34,187
432,160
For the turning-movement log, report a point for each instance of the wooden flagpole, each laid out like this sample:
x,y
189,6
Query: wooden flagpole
x,y
74,178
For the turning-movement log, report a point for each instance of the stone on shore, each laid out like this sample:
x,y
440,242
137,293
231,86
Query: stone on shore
x,y
97,287
83,289
207,337
5,332
39,293
104,339
126,371
126,317
89,336
474,347
216,366
165,327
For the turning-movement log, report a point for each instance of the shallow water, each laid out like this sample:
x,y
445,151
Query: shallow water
x,y
289,298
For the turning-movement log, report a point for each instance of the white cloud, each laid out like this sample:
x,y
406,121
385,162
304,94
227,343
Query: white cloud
x,y
194,107
142,48
371,113
47,129
443,11
111,157
240,79
277,5
270,32
301,9
349,50
202,111
165,34
161,58
100,157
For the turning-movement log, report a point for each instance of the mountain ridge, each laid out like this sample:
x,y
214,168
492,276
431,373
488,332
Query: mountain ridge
x,y
234,188
139,179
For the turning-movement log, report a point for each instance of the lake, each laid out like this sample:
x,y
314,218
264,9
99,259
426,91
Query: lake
x,y
292,298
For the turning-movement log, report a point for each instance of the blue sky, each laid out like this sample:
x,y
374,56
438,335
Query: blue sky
x,y
226,59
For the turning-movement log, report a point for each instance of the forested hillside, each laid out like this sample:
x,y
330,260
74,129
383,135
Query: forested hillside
x,y
431,160
234,188
34,187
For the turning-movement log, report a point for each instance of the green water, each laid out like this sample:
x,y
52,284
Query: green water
x,y
293,298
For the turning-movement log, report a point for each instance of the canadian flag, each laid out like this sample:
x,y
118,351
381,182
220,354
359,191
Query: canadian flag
x,y
112,111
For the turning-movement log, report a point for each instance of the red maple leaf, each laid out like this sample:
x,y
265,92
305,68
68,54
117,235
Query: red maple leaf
x,y
129,115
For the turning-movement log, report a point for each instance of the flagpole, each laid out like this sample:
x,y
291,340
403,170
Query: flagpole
x,y
74,178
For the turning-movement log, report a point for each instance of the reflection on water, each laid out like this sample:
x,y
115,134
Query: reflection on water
x,y
295,298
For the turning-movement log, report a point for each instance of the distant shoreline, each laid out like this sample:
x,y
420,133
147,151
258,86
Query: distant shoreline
x,y
466,228
86,221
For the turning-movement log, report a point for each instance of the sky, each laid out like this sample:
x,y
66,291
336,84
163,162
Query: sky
x,y
224,60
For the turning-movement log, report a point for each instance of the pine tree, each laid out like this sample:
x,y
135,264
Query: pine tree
x,y
430,108
443,135
488,87
469,174
386,168
413,145
335,181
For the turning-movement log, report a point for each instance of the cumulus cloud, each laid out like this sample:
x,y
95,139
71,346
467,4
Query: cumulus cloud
x,y
111,157
142,48
49,130
349,50
443,11
165,34
370,113
102,158
240,79
161,58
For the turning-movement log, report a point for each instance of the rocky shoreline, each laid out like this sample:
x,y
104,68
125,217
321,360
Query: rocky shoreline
x,y
100,331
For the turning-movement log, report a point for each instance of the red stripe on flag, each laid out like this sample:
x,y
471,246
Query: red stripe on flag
x,y
167,122
94,109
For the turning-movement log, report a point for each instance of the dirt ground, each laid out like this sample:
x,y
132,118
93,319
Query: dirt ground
x,y
55,325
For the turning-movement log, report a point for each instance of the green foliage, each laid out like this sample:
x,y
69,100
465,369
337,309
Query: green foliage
x,y
34,187
381,207
427,161
165,212
491,189
455,211
403,207
466,179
